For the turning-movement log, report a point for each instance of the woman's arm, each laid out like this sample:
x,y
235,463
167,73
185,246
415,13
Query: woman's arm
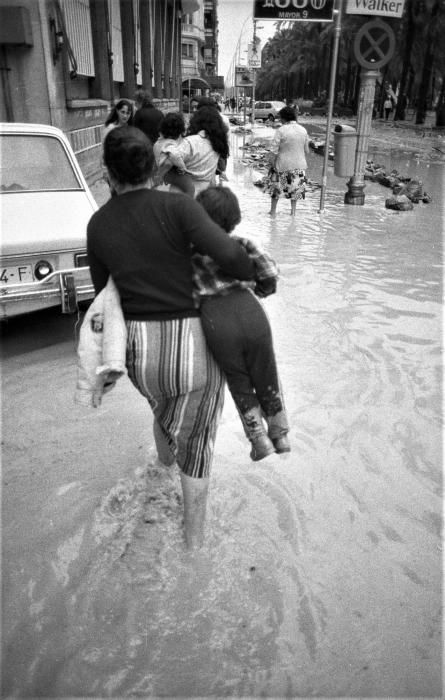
x,y
209,239
274,149
99,273
184,150
173,156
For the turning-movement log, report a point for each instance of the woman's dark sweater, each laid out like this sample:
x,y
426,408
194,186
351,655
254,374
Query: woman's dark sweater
x,y
143,239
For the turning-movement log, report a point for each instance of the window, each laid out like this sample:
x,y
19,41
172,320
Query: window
x,y
187,50
78,27
114,13
137,40
35,163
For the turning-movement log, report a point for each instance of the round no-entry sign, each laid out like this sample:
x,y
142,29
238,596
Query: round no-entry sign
x,y
374,44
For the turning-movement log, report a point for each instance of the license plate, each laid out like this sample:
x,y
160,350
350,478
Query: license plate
x,y
15,275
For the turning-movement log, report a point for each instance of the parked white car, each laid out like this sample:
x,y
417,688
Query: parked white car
x,y
267,110
45,206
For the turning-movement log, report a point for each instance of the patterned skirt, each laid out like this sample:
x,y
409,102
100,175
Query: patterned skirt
x,y
170,364
289,183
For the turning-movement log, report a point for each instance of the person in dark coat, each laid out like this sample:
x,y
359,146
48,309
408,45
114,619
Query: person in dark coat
x,y
147,117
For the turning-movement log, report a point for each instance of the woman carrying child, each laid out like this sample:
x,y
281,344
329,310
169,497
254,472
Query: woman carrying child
x,y
238,332
143,238
205,143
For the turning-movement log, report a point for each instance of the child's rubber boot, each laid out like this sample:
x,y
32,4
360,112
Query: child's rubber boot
x,y
278,428
281,444
261,447
254,428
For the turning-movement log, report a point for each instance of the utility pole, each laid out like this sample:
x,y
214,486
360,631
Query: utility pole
x,y
337,32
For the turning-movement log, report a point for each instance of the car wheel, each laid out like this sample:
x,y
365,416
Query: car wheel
x,y
271,117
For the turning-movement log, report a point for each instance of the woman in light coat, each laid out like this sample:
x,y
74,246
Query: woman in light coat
x,y
287,176
201,149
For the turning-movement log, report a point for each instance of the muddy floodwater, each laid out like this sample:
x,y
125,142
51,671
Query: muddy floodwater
x,y
322,570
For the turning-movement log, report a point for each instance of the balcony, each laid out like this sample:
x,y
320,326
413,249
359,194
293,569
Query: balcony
x,y
189,6
192,31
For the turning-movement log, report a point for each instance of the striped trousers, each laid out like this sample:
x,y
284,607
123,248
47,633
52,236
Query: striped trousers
x,y
169,363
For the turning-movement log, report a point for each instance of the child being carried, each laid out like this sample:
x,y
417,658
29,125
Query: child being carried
x,y
238,332
170,166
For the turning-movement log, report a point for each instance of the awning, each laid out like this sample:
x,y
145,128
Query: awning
x,y
195,83
216,82
189,6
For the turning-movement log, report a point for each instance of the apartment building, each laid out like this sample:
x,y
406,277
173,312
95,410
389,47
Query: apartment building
x,y
65,62
200,51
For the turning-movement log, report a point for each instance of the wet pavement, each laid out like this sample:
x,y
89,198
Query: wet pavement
x,y
322,571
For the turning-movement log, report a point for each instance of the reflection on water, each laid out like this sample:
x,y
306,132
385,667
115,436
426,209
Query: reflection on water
x,y
321,575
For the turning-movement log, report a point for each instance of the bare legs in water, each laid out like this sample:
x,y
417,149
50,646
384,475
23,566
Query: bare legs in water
x,y
194,492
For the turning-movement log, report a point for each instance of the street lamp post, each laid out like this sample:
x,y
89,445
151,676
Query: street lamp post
x,y
255,62
236,58
253,75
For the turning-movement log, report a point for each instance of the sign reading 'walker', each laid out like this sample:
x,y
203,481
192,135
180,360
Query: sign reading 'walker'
x,y
294,10
383,8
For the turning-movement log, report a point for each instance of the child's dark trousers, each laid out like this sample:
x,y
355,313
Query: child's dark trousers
x,y
239,336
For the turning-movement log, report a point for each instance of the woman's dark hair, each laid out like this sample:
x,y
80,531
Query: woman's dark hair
x,y
209,120
143,98
172,125
287,114
128,155
222,205
113,116
208,102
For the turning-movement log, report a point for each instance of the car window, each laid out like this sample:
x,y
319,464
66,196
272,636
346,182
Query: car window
x,y
35,163
267,105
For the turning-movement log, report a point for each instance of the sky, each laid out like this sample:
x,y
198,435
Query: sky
x,y
234,25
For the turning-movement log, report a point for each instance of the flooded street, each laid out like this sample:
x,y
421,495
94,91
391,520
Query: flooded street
x,y
322,571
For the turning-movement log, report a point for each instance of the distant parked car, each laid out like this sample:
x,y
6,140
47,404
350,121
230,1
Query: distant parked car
x,y
45,206
267,110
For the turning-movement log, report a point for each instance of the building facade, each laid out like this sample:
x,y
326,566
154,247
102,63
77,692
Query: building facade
x,y
200,51
192,55
65,62
215,81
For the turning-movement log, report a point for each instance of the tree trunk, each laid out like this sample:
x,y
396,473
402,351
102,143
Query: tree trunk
x,y
440,107
409,39
427,67
357,90
348,77
382,91
325,72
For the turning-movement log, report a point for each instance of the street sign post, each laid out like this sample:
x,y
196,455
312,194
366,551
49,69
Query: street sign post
x,y
294,10
254,54
243,77
374,44
373,48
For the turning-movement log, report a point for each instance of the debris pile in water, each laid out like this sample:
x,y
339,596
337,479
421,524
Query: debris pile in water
x,y
406,191
319,148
